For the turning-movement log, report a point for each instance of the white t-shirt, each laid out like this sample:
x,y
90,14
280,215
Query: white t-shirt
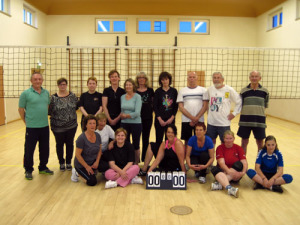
x,y
192,99
106,133
220,104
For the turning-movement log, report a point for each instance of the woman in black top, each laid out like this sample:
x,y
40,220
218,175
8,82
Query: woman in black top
x,y
91,101
165,106
63,120
147,95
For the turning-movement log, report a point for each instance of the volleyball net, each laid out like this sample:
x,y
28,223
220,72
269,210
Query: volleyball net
x,y
280,68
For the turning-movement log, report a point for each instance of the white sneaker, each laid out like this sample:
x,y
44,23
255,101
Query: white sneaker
x,y
202,180
233,191
137,180
111,184
74,176
216,186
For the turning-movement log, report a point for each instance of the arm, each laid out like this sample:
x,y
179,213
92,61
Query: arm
x,y
159,157
105,110
22,114
179,147
211,153
99,111
82,162
83,111
236,98
261,174
96,163
223,166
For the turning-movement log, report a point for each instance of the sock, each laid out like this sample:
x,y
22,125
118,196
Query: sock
x,y
228,187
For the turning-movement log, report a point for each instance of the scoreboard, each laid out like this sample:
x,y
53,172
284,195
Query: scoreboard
x,y
166,180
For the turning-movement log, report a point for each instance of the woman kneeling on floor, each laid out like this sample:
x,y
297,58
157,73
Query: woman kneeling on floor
x,y
231,165
200,152
88,152
122,171
169,155
268,173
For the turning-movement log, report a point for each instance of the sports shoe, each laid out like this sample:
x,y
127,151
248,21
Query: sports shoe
x,y
233,191
62,167
202,180
277,188
69,167
142,173
137,180
216,186
258,186
111,184
74,176
28,175
46,171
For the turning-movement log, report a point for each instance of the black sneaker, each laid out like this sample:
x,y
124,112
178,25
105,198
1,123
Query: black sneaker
x,y
197,174
277,188
62,167
258,186
142,173
46,171
28,175
69,167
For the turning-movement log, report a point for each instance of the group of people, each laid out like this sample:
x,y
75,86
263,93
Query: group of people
x,y
110,119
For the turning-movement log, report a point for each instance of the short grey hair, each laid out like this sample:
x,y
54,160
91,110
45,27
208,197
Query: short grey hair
x,y
255,71
217,73
36,72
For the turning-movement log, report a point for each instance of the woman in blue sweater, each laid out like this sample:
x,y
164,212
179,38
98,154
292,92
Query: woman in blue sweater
x,y
131,104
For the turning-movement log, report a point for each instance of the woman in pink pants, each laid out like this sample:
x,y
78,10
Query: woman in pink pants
x,y
122,171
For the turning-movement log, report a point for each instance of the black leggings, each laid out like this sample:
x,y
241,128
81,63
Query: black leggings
x,y
91,180
201,159
238,166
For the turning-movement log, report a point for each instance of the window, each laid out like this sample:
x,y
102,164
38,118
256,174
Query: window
x,y
193,27
152,26
275,19
5,6
29,16
110,26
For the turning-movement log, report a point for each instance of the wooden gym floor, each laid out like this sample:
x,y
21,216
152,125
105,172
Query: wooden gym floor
x,y
57,200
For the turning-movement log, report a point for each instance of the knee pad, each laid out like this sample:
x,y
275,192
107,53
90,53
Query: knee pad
x,y
215,170
251,173
287,178
92,181
238,166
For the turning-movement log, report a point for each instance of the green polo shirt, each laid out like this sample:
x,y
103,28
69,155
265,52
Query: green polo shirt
x,y
36,107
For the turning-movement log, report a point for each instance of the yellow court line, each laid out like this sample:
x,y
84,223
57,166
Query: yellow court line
x,y
281,127
16,131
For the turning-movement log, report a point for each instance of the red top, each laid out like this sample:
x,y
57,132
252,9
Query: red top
x,y
230,155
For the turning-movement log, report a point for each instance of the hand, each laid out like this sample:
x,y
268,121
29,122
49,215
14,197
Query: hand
x,y
162,123
110,145
95,165
123,175
113,122
117,176
169,121
230,116
192,124
123,116
89,170
266,183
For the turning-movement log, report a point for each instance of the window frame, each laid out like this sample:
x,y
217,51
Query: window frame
x,y
26,10
193,21
279,14
152,21
111,20
5,5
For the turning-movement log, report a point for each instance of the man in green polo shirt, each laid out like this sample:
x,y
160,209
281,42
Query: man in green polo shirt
x,y
33,109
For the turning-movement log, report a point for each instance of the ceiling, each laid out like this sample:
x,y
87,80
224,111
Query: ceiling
x,y
235,8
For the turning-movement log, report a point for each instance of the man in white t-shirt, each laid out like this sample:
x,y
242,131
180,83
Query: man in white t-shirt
x,y
192,105
219,116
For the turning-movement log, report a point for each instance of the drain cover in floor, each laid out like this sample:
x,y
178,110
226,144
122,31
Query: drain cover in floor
x,y
181,210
